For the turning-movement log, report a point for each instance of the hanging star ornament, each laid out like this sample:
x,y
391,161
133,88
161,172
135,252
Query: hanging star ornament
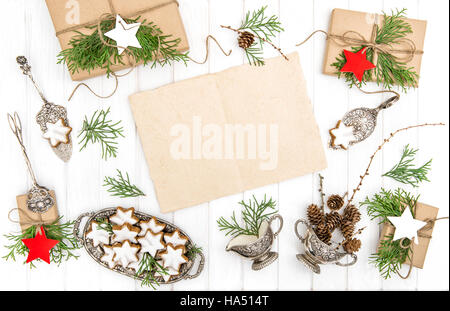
x,y
124,34
406,226
39,246
357,63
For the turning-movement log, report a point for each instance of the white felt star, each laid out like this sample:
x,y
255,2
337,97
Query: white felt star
x,y
124,34
57,133
151,224
151,243
97,234
173,257
125,253
406,226
124,216
341,135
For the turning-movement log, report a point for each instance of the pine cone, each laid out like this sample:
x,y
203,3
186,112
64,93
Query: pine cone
x,y
246,39
347,228
352,214
323,233
351,245
315,215
335,202
333,220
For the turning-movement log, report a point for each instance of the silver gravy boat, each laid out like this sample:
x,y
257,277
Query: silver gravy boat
x,y
317,252
257,248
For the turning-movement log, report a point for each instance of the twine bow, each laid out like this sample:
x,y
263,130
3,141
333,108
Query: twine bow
x,y
28,221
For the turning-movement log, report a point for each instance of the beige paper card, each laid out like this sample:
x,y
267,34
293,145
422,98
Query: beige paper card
x,y
224,133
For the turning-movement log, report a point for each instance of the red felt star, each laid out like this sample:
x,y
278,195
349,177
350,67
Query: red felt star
x,y
39,246
357,63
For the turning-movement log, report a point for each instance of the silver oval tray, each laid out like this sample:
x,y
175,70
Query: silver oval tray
x,y
96,252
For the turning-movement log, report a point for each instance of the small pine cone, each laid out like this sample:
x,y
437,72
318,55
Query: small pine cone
x,y
333,220
335,202
323,233
351,245
352,214
315,215
347,228
246,39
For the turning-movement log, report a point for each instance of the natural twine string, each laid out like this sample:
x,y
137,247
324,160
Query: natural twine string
x,y
28,220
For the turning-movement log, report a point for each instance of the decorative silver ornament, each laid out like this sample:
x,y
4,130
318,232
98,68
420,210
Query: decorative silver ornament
x,y
49,113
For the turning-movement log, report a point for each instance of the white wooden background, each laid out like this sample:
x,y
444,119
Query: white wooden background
x,y
26,28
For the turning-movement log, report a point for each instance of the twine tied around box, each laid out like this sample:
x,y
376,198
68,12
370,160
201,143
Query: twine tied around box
x,y
131,60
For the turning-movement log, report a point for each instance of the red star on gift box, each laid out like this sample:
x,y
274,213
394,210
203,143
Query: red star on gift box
x,y
357,63
39,246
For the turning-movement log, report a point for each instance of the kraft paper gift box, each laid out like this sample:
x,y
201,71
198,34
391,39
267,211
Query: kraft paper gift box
x,y
423,212
26,215
342,21
185,132
164,13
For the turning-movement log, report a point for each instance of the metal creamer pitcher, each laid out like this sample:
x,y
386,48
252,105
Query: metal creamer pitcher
x,y
257,248
317,252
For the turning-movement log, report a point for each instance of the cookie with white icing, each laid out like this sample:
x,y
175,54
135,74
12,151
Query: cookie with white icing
x,y
151,243
151,224
124,232
57,132
108,256
125,253
98,235
124,216
170,272
173,257
175,238
135,265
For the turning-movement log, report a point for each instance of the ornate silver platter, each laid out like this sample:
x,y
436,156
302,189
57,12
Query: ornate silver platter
x,y
97,252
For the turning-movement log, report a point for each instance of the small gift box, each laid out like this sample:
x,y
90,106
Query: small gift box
x,y
349,29
28,218
72,16
425,213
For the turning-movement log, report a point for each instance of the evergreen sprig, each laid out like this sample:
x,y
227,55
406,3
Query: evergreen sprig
x,y
389,203
87,52
390,256
389,70
404,171
104,224
193,251
100,129
148,268
253,214
121,186
62,251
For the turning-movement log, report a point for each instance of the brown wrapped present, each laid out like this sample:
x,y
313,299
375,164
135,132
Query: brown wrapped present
x,y
352,28
425,213
27,218
68,18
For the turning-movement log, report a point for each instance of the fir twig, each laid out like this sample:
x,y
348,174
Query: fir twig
x,y
121,186
87,52
264,28
253,214
62,251
193,251
99,129
104,224
148,268
387,203
390,256
404,171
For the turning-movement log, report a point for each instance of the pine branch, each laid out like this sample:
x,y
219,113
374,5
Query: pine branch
x,y
121,186
148,268
193,251
404,171
390,257
62,251
87,52
253,214
99,129
387,203
105,225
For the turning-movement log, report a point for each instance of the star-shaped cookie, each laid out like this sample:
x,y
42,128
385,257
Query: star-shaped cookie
x,y
57,132
170,272
97,235
175,238
151,243
151,224
124,216
108,256
125,253
125,232
173,257
341,136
